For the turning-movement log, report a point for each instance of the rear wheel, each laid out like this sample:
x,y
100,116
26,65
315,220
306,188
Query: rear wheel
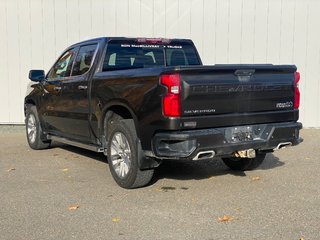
x,y
243,164
122,151
34,130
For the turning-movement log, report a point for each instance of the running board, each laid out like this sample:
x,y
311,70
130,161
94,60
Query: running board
x,y
91,147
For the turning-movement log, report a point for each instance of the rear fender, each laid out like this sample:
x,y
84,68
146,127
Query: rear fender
x,y
109,110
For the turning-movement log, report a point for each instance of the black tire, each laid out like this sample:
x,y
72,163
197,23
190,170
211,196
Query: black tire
x,y
134,177
34,131
244,164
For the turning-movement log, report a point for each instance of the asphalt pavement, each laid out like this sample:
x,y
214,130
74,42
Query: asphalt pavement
x,y
68,193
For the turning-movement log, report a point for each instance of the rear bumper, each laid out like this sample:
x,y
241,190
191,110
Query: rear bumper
x,y
224,141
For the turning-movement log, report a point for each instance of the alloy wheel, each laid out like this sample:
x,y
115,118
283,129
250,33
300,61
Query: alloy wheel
x,y
120,154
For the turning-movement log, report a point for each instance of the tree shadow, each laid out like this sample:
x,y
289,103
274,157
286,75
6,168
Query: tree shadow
x,y
197,170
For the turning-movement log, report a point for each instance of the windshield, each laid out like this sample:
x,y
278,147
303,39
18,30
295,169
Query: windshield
x,y
132,54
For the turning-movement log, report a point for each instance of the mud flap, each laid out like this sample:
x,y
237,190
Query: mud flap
x,y
144,161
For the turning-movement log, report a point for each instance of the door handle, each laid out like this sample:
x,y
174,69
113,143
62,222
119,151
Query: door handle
x,y
57,88
82,87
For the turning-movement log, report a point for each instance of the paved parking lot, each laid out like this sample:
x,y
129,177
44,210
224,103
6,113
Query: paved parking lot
x,y
68,193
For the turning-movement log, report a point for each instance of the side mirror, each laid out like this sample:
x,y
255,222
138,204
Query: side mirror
x,y
36,75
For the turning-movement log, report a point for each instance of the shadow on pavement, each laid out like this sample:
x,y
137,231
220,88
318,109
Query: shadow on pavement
x,y
189,170
84,152
186,169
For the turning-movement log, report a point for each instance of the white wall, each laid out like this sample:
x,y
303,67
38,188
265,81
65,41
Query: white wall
x,y
34,32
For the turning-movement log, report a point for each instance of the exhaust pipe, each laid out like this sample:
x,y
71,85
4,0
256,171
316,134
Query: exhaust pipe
x,y
204,155
249,153
282,145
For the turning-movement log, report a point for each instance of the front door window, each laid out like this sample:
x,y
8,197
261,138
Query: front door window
x,y
63,66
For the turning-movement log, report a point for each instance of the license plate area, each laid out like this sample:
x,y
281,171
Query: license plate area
x,y
246,133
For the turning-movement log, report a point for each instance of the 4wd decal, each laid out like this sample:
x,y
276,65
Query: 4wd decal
x,y
288,104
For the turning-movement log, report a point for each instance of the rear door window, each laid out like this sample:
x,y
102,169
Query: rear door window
x,y
83,60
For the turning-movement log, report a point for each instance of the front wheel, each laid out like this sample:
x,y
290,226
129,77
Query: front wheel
x,y
244,164
122,151
34,130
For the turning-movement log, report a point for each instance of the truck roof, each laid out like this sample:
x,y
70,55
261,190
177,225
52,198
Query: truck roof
x,y
130,39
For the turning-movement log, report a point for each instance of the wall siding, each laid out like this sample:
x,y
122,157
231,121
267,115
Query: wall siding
x,y
33,33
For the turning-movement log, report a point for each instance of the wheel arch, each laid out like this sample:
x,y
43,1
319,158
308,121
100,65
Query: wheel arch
x,y
126,112
28,101
121,109
30,104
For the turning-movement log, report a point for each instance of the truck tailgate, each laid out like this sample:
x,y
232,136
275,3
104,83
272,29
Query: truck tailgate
x,y
224,89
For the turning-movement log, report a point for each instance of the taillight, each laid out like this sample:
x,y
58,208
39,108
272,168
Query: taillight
x,y
171,101
296,90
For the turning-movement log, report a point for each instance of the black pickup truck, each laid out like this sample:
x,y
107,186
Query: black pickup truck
x,y
141,101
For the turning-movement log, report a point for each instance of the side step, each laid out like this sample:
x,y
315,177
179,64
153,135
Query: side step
x,y
91,147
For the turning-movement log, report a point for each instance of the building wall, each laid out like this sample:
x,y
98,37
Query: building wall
x,y
34,32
